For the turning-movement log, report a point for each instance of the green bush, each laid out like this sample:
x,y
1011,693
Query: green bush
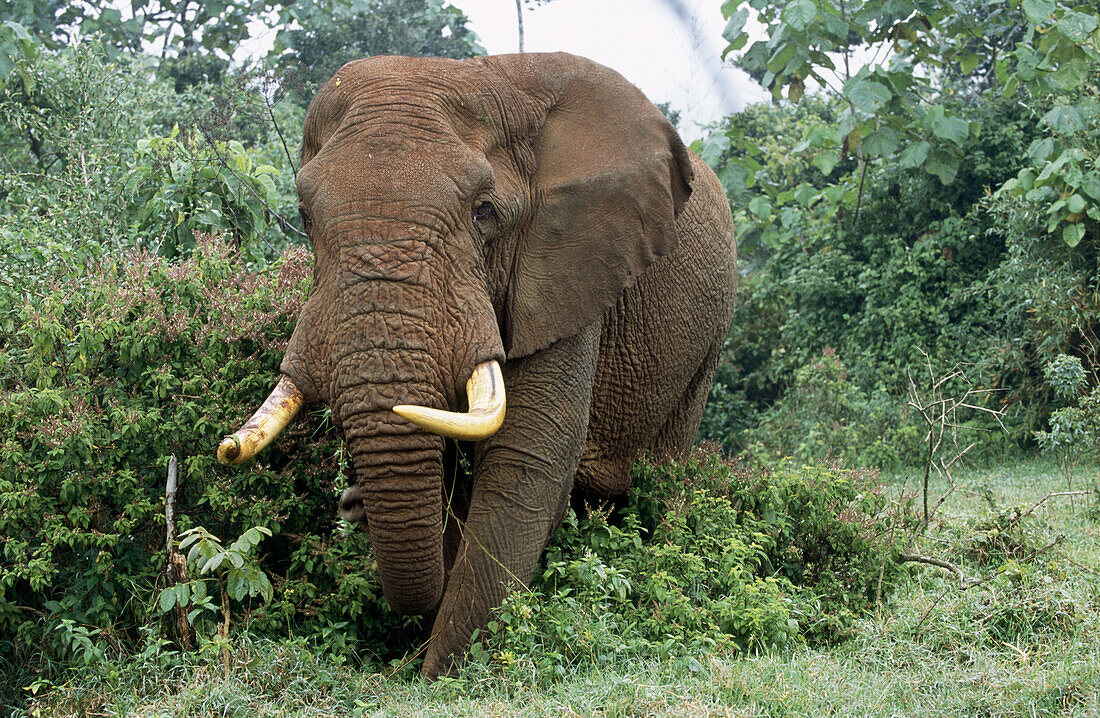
x,y
706,553
909,279
200,186
101,380
826,415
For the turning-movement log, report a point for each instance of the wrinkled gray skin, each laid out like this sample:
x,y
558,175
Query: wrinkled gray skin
x,y
603,282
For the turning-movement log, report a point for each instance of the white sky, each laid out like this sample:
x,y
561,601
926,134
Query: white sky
x,y
671,59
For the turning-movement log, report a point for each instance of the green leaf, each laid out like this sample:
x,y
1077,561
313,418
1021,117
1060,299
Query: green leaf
x,y
883,142
943,165
714,146
1040,149
1073,233
867,95
951,128
235,584
1077,26
1090,185
914,155
968,63
799,13
825,161
1026,179
1075,203
1071,74
805,194
167,600
779,59
761,207
736,25
1037,11
183,594
213,563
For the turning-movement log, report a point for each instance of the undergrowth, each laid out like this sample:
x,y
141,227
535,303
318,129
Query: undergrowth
x,y
707,555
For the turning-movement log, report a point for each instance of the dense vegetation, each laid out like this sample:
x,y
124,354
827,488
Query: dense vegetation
x,y
921,257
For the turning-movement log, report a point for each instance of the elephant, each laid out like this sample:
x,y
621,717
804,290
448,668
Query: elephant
x,y
515,252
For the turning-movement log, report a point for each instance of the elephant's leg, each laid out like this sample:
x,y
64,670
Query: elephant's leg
x,y
676,437
522,478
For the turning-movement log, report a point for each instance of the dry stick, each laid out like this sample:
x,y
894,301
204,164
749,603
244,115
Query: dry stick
x,y
177,564
1053,494
912,557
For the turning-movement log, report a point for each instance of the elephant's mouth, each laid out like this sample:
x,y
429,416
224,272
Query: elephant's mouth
x,y
484,392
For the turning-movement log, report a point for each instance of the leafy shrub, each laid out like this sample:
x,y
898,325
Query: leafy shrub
x,y
200,187
825,415
101,380
706,553
912,273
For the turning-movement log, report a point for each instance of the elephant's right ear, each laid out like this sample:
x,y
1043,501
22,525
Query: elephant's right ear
x,y
610,177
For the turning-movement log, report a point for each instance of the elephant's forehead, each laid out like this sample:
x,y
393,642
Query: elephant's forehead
x,y
391,163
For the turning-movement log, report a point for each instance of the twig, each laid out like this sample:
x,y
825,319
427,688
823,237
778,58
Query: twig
x,y
912,557
271,113
177,564
1083,567
1052,495
930,607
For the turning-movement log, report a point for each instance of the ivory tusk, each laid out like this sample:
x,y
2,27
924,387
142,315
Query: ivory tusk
x,y
271,418
485,392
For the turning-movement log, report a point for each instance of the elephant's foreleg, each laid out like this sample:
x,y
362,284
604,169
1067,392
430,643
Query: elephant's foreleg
x,y
522,478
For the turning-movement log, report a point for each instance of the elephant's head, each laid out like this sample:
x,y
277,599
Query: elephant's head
x,y
461,213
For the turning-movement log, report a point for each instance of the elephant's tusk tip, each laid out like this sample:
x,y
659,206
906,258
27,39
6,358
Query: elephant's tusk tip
x,y
229,450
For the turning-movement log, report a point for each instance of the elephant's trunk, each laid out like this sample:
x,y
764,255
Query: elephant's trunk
x,y
399,492
398,486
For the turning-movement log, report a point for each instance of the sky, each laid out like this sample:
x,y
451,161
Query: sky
x,y
671,58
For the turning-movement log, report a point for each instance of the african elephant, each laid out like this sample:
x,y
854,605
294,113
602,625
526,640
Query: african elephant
x,y
528,224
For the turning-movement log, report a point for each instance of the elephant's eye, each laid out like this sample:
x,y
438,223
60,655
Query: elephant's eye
x,y
307,223
484,212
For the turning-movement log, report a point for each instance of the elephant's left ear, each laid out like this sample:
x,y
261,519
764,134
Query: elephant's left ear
x,y
611,176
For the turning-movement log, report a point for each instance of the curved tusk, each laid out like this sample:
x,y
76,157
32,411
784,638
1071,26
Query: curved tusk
x,y
271,418
485,391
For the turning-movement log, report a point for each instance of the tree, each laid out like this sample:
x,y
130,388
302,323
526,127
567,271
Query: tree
x,y
330,33
916,58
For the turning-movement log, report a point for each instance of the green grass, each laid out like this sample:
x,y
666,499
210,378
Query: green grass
x,y
1024,642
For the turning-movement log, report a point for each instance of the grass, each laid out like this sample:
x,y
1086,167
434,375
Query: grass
x,y
1024,642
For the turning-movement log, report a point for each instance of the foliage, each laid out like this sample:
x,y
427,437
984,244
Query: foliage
x,y
206,187
104,376
325,35
16,46
825,415
707,555
96,164
68,123
915,275
178,27
1049,296
900,103
237,574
